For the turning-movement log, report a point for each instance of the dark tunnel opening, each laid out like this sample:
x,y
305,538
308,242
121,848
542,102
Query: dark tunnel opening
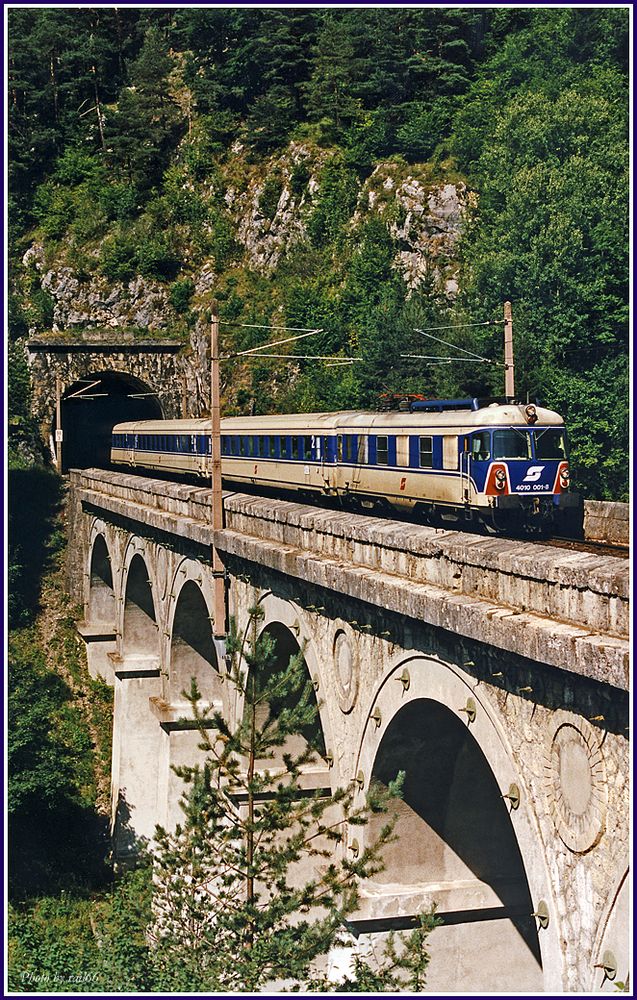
x,y
90,411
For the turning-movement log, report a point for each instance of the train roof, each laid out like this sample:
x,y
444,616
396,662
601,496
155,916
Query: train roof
x,y
499,415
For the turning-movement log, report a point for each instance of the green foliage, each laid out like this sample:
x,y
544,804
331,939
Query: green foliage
x,y
78,944
40,762
118,257
158,258
146,125
136,251
50,787
34,497
551,233
18,382
270,195
424,127
181,293
333,208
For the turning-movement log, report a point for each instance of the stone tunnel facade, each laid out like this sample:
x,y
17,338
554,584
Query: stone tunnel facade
x,y
509,722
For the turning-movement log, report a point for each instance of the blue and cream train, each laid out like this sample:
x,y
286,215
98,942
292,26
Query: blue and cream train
x,y
503,464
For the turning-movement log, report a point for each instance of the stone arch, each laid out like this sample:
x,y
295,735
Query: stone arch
x,y
287,646
89,412
460,844
612,935
101,605
284,622
140,633
190,653
192,649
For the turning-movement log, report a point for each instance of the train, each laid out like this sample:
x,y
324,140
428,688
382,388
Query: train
x,y
491,462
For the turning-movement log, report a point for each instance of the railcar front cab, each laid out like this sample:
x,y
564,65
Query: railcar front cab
x,y
519,475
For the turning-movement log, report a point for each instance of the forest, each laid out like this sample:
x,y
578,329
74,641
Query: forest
x,y
130,132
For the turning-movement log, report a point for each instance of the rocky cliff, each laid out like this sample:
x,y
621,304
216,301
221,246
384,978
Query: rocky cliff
x,y
267,207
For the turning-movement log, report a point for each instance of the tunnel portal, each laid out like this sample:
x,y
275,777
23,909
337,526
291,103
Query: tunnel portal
x,y
91,407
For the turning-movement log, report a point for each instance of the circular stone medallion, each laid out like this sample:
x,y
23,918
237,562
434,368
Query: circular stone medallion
x,y
577,785
346,669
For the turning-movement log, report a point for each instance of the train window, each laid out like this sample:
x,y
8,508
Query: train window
x,y
272,447
295,447
426,452
550,443
242,446
512,443
382,449
224,445
361,456
339,447
307,448
449,451
283,448
481,446
350,448
260,449
326,453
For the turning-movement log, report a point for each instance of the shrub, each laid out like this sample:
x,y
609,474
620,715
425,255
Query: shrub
x,y
157,258
181,293
270,194
118,258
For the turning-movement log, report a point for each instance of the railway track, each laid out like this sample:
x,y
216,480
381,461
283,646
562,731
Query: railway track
x,y
584,545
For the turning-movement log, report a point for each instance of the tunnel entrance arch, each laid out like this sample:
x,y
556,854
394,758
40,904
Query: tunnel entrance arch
x,y
89,409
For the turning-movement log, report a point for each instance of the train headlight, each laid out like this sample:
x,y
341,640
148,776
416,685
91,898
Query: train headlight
x,y
500,479
530,413
565,479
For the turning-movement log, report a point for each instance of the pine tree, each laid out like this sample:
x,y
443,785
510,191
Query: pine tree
x,y
256,883
141,135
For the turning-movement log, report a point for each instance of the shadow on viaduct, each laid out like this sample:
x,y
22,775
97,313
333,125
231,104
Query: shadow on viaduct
x,y
462,661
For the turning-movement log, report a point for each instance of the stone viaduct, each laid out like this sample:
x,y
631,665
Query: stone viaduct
x,y
493,672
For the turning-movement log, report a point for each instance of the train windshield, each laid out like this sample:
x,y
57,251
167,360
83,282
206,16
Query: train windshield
x,y
550,443
512,443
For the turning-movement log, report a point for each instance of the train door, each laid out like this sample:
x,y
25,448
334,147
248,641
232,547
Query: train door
x,y
402,451
307,444
359,457
327,466
451,463
465,469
